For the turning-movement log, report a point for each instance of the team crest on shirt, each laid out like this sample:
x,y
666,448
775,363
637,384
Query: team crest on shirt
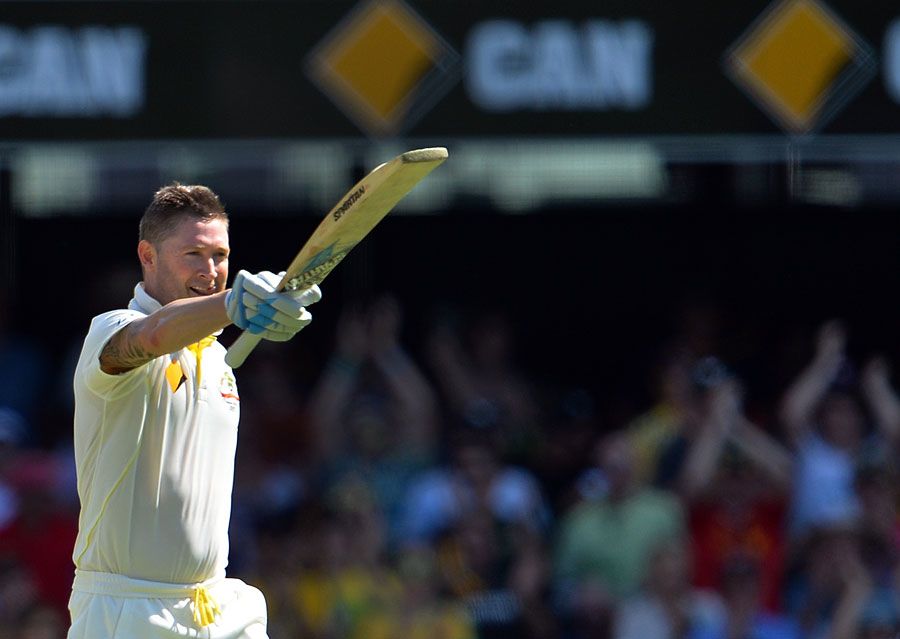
x,y
228,390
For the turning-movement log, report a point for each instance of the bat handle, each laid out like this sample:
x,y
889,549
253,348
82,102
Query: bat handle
x,y
242,346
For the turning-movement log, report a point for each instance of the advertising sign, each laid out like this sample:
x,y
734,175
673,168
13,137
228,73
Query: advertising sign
x,y
388,68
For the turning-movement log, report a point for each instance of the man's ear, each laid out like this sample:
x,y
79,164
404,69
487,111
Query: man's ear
x,y
146,254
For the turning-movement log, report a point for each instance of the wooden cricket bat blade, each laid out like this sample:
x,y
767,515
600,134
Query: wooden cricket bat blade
x,y
351,219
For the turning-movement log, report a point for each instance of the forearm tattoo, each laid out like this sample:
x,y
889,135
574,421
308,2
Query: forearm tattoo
x,y
123,352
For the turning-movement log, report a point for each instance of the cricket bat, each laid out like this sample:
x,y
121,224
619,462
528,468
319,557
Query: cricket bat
x,y
351,219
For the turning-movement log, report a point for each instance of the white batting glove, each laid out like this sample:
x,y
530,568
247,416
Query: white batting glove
x,y
254,305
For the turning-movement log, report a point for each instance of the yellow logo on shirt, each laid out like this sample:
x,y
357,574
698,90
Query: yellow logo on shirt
x,y
174,375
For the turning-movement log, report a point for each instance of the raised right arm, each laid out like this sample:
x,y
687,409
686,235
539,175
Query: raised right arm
x,y
801,399
167,330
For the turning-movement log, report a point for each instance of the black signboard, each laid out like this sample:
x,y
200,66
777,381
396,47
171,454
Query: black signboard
x,y
266,69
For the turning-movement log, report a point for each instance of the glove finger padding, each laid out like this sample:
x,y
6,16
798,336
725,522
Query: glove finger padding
x,y
287,303
264,311
271,279
258,287
307,296
253,305
279,332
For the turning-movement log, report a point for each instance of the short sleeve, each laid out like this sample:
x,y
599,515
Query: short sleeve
x,y
103,327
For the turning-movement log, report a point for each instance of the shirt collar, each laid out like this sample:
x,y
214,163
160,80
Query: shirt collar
x,y
142,301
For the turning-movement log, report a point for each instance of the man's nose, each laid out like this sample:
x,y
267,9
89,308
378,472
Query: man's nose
x,y
209,269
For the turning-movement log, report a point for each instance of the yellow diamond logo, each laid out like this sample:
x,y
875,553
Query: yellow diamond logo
x,y
384,66
800,63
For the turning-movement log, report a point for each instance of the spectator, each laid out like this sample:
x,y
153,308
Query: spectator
x,y
653,431
42,534
826,426
424,611
327,571
745,614
667,607
833,595
734,480
278,565
274,469
373,412
475,480
276,401
530,579
606,541
483,385
23,373
500,573
567,450
103,289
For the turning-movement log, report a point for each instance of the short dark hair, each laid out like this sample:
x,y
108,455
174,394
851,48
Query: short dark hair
x,y
174,202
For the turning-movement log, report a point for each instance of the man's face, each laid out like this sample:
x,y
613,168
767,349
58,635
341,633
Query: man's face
x,y
191,262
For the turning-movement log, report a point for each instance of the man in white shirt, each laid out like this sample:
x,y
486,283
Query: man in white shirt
x,y
156,416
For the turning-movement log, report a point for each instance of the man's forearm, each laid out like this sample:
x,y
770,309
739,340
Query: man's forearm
x,y
184,322
167,330
806,392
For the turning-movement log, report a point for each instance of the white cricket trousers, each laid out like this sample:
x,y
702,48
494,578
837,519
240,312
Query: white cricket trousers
x,y
107,606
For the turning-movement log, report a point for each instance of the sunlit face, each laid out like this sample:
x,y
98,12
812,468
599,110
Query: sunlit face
x,y
191,262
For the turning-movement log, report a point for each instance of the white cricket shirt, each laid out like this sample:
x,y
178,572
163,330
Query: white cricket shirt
x,y
155,459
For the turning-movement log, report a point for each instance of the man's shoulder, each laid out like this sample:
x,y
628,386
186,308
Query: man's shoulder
x,y
113,320
103,327
118,312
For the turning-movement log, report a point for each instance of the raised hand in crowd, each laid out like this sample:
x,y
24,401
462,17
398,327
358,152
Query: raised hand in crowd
x,y
368,370
827,424
880,397
801,400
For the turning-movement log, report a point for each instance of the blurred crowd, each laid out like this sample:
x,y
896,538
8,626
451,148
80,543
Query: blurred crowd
x,y
441,490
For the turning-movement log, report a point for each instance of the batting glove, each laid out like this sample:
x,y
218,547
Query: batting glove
x,y
254,305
